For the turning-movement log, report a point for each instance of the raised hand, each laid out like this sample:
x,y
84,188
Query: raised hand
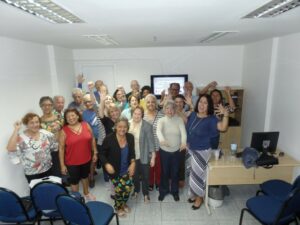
x,y
80,78
17,125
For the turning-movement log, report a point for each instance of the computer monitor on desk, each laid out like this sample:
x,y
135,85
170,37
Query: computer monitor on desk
x,y
265,142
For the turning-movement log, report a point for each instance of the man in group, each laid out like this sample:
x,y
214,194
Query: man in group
x,y
135,89
59,105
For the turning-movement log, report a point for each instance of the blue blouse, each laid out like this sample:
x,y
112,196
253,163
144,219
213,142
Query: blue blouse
x,y
201,131
124,160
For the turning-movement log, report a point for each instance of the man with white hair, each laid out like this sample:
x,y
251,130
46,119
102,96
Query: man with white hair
x,y
135,89
78,100
58,105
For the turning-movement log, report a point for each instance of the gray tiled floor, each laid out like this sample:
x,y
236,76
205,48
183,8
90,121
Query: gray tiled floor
x,y
170,212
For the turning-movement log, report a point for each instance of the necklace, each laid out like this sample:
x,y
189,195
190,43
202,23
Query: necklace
x,y
194,124
76,129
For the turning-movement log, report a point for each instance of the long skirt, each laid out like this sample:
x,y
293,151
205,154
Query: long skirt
x,y
196,169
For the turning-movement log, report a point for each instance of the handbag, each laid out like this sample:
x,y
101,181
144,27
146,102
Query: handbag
x,y
266,161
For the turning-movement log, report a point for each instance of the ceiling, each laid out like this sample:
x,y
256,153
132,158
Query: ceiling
x,y
152,23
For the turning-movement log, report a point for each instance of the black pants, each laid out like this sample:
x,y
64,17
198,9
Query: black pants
x,y
182,166
169,171
39,176
141,174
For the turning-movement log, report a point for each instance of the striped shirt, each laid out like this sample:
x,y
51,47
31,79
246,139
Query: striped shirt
x,y
153,122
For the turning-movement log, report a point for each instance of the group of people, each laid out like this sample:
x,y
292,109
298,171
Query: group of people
x,y
133,137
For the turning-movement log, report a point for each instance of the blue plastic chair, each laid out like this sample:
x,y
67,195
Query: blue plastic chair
x,y
76,212
278,188
272,211
43,197
12,209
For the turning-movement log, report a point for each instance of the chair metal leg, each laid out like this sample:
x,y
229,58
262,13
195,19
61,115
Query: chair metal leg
x,y
259,191
117,218
242,215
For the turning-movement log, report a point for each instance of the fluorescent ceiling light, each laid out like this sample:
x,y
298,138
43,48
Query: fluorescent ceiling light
x,y
103,39
273,8
216,35
45,9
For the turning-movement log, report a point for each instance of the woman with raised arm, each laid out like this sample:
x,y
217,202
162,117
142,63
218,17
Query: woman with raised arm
x,y
33,146
202,126
118,159
77,149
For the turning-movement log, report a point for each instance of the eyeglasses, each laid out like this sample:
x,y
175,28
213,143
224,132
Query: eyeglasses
x,y
47,105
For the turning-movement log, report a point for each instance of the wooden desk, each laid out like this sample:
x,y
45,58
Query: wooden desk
x,y
230,170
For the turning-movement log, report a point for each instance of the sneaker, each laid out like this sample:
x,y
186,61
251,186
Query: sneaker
x,y
146,199
134,195
89,197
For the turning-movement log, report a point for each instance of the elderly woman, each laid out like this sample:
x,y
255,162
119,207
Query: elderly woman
x,y
51,123
134,101
202,127
144,145
171,134
33,146
152,115
77,148
120,97
118,158
77,104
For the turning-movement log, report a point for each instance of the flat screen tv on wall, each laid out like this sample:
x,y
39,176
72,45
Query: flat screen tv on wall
x,y
162,82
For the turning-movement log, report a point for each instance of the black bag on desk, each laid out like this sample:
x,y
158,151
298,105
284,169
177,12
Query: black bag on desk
x,y
266,161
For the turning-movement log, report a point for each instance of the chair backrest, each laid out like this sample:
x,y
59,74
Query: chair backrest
x,y
73,210
296,183
291,205
44,194
11,206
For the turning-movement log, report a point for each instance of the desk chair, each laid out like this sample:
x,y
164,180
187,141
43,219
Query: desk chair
x,y
13,210
278,188
74,211
43,197
272,211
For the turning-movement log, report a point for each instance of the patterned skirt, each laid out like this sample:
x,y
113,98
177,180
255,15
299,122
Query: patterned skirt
x,y
196,163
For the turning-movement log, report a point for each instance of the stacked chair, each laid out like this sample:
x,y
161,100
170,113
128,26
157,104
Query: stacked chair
x,y
279,204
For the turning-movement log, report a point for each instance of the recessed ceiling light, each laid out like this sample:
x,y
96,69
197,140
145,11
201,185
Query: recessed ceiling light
x,y
216,35
45,9
273,8
103,39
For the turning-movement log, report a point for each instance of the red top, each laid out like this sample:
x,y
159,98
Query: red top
x,y
78,147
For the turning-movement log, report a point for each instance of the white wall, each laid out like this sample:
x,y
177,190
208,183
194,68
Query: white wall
x,y
202,64
255,81
285,115
26,75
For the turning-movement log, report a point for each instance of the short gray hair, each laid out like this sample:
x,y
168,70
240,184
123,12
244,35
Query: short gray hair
x,y
76,91
169,103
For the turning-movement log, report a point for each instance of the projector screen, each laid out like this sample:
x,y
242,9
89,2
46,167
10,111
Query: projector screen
x,y
162,82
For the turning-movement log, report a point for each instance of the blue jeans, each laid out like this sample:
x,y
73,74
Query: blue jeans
x,y
169,171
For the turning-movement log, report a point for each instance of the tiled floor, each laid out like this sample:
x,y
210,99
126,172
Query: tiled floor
x,y
170,212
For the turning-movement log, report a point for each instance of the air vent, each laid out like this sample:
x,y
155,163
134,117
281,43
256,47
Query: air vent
x,y
273,8
45,9
216,35
103,39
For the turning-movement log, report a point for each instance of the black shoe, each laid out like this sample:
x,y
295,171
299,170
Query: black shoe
x,y
161,198
190,200
92,183
176,197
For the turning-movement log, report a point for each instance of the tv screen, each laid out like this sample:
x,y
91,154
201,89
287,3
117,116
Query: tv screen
x,y
162,82
265,141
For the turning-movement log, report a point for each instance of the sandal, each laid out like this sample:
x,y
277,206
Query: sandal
x,y
121,213
127,209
